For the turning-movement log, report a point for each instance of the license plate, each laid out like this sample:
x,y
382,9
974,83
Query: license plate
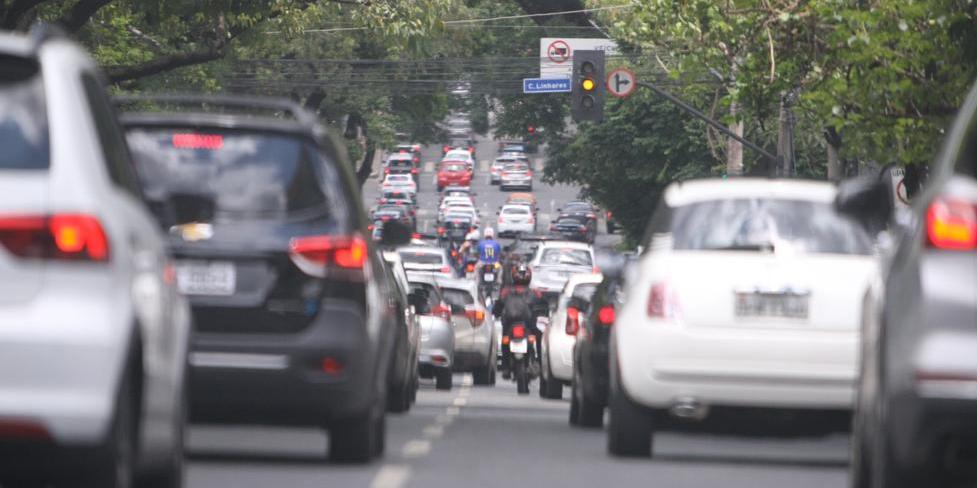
x,y
489,277
520,346
794,306
206,278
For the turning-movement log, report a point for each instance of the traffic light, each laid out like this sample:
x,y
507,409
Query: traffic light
x,y
531,129
587,96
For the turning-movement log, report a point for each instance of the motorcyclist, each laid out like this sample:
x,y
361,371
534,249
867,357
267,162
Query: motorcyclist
x,y
489,249
469,248
534,306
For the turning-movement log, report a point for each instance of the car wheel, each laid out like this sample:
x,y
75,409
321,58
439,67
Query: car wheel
x,y
113,465
574,405
589,413
171,474
886,472
399,399
552,388
860,471
629,432
357,439
484,375
443,379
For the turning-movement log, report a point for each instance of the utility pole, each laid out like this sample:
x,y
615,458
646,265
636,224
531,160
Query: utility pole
x,y
785,134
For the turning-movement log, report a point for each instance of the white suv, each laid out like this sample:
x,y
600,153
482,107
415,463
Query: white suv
x,y
93,334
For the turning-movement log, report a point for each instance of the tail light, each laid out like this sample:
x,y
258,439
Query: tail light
x,y
552,228
470,268
662,302
573,321
441,231
518,331
952,224
591,216
532,220
313,254
370,227
413,171
445,269
471,149
71,237
386,171
446,148
606,315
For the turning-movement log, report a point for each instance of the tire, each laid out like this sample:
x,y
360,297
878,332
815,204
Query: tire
x,y
574,407
485,375
589,413
443,379
399,399
170,475
522,378
551,388
629,432
358,439
114,463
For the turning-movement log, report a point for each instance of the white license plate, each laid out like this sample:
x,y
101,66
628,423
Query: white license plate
x,y
794,306
489,277
520,346
206,278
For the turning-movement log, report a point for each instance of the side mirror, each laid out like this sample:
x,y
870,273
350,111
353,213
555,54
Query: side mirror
x,y
419,302
866,200
395,234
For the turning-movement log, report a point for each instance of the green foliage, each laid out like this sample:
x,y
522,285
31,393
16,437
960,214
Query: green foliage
x,y
627,161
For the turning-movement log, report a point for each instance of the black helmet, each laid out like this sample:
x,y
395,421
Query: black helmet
x,y
522,275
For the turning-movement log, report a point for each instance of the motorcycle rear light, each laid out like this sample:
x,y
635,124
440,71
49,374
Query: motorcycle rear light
x,y
573,321
662,302
313,254
952,224
518,331
470,268
606,315
70,237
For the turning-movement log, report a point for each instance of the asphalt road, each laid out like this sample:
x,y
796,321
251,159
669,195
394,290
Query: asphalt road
x,y
490,436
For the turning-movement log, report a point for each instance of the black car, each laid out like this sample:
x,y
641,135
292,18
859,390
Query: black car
x,y
591,352
580,209
292,327
401,213
575,228
915,421
459,144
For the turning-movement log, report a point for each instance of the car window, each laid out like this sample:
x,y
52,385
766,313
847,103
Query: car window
x,y
516,210
566,256
114,150
426,291
24,133
249,174
453,167
758,224
419,257
571,219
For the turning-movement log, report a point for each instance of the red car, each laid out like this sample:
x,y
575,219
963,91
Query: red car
x,y
454,173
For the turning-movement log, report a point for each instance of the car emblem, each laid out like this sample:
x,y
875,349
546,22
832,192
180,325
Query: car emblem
x,y
193,232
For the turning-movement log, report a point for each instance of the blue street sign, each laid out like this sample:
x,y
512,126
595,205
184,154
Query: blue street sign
x,y
546,85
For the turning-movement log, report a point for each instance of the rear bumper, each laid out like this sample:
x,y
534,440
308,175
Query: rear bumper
x,y
938,432
281,379
661,362
508,228
437,344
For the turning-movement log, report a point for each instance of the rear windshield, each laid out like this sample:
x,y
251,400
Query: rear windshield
x,y
249,175
457,297
24,134
516,167
571,219
766,224
416,257
516,210
568,257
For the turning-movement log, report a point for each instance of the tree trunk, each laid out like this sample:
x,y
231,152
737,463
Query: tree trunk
x,y
366,166
835,169
734,150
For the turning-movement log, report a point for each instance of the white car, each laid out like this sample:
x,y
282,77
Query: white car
x,y
556,261
516,175
561,335
514,219
459,155
495,171
403,182
749,294
427,259
455,201
93,330
468,212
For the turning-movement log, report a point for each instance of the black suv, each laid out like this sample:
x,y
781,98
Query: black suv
x,y
294,321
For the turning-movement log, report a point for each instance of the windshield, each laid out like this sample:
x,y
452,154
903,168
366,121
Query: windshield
x,y
515,211
23,118
760,224
248,174
568,257
453,167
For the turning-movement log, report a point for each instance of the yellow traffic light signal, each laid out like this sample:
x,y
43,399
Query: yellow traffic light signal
x,y
588,85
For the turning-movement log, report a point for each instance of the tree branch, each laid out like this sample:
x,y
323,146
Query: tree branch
x,y
16,10
80,13
165,63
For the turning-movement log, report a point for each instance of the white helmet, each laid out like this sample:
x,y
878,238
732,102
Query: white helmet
x,y
474,235
489,233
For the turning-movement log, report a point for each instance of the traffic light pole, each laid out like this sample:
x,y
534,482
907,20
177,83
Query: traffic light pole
x,y
705,118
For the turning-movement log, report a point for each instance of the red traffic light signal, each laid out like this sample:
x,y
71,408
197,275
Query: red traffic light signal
x,y
530,129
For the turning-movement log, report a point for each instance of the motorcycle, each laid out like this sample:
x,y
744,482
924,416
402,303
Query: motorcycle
x,y
489,277
523,361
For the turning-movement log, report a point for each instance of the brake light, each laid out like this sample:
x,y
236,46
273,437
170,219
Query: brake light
x,y
573,321
198,141
446,269
606,315
386,171
518,331
313,254
447,148
413,171
952,224
74,237
662,302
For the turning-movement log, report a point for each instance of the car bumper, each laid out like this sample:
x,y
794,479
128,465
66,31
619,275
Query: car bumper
x,y
516,183
282,379
61,357
437,345
662,362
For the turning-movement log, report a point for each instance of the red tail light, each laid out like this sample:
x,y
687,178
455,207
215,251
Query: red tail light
x,y
447,148
445,269
518,331
470,268
386,171
413,171
72,237
312,254
662,302
573,321
606,315
952,224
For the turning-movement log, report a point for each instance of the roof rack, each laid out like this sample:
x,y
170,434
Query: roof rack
x,y
243,103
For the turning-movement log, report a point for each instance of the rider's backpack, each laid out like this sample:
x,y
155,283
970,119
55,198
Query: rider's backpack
x,y
516,308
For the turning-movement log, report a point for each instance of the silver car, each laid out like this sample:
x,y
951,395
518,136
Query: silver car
x,y
475,344
93,333
437,355
427,259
